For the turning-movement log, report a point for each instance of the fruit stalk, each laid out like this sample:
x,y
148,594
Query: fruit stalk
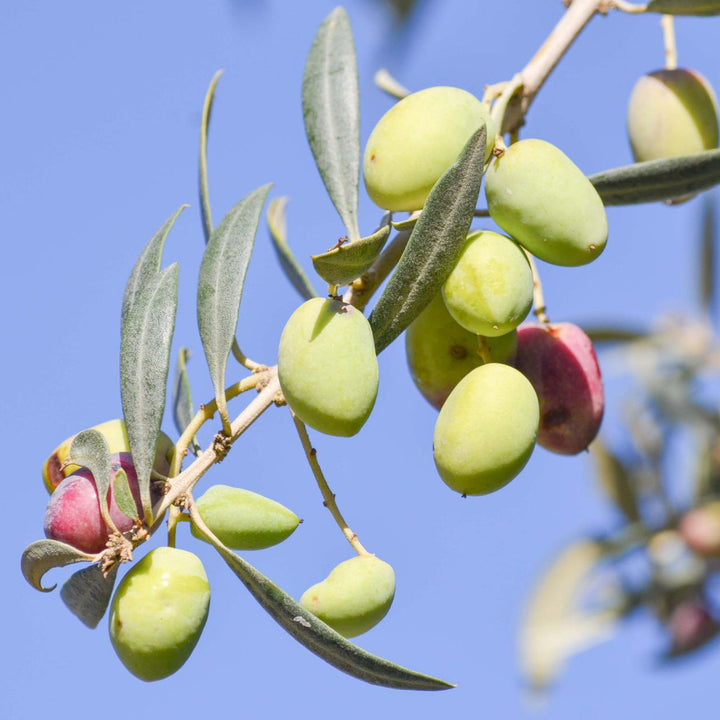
x,y
540,310
668,28
327,493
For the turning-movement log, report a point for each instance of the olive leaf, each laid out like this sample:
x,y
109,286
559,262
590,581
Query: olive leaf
x,y
656,180
615,480
44,555
148,264
221,282
347,262
90,449
144,363
684,7
613,334
555,626
288,262
331,109
434,246
207,222
87,593
183,411
707,269
123,495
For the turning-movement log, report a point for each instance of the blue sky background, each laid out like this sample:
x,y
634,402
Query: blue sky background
x,y
99,146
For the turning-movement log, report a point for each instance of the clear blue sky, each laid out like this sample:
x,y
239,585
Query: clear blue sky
x,y
99,145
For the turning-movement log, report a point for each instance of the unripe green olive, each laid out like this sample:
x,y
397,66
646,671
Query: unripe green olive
x,y
542,199
417,140
327,366
672,112
486,430
490,289
244,520
158,612
354,597
440,353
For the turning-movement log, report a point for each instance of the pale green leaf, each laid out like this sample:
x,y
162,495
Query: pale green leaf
x,y
90,449
207,222
288,262
615,480
345,263
44,555
656,180
555,626
685,7
613,334
221,281
148,264
87,593
331,108
183,410
434,246
144,362
123,495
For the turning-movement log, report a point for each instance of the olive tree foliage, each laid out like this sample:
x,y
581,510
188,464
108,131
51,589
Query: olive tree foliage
x,y
395,270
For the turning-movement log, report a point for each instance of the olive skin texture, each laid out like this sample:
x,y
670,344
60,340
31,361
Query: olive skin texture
x,y
417,140
158,612
544,201
486,430
354,597
560,362
440,353
327,366
670,113
490,289
244,520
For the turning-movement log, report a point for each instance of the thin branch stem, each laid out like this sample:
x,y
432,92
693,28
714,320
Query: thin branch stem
x,y
668,28
540,310
627,7
483,349
243,359
386,82
327,493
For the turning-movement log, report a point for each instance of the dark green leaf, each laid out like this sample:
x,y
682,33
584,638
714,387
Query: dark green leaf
x,y
331,108
288,262
183,411
148,264
144,362
343,264
202,169
658,179
707,256
221,281
319,638
615,480
434,246
123,495
87,593
44,555
612,334
89,449
684,7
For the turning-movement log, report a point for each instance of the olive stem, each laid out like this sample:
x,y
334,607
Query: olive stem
x,y
483,349
362,289
327,493
540,310
668,28
627,7
186,480
243,359
172,522
386,82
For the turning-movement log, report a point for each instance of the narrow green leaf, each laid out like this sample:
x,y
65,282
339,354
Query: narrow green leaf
x,y
345,263
123,495
707,270
148,264
89,449
331,108
144,362
613,334
684,7
183,410
87,593
221,281
321,639
44,555
615,481
434,246
202,165
555,625
656,180
288,262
